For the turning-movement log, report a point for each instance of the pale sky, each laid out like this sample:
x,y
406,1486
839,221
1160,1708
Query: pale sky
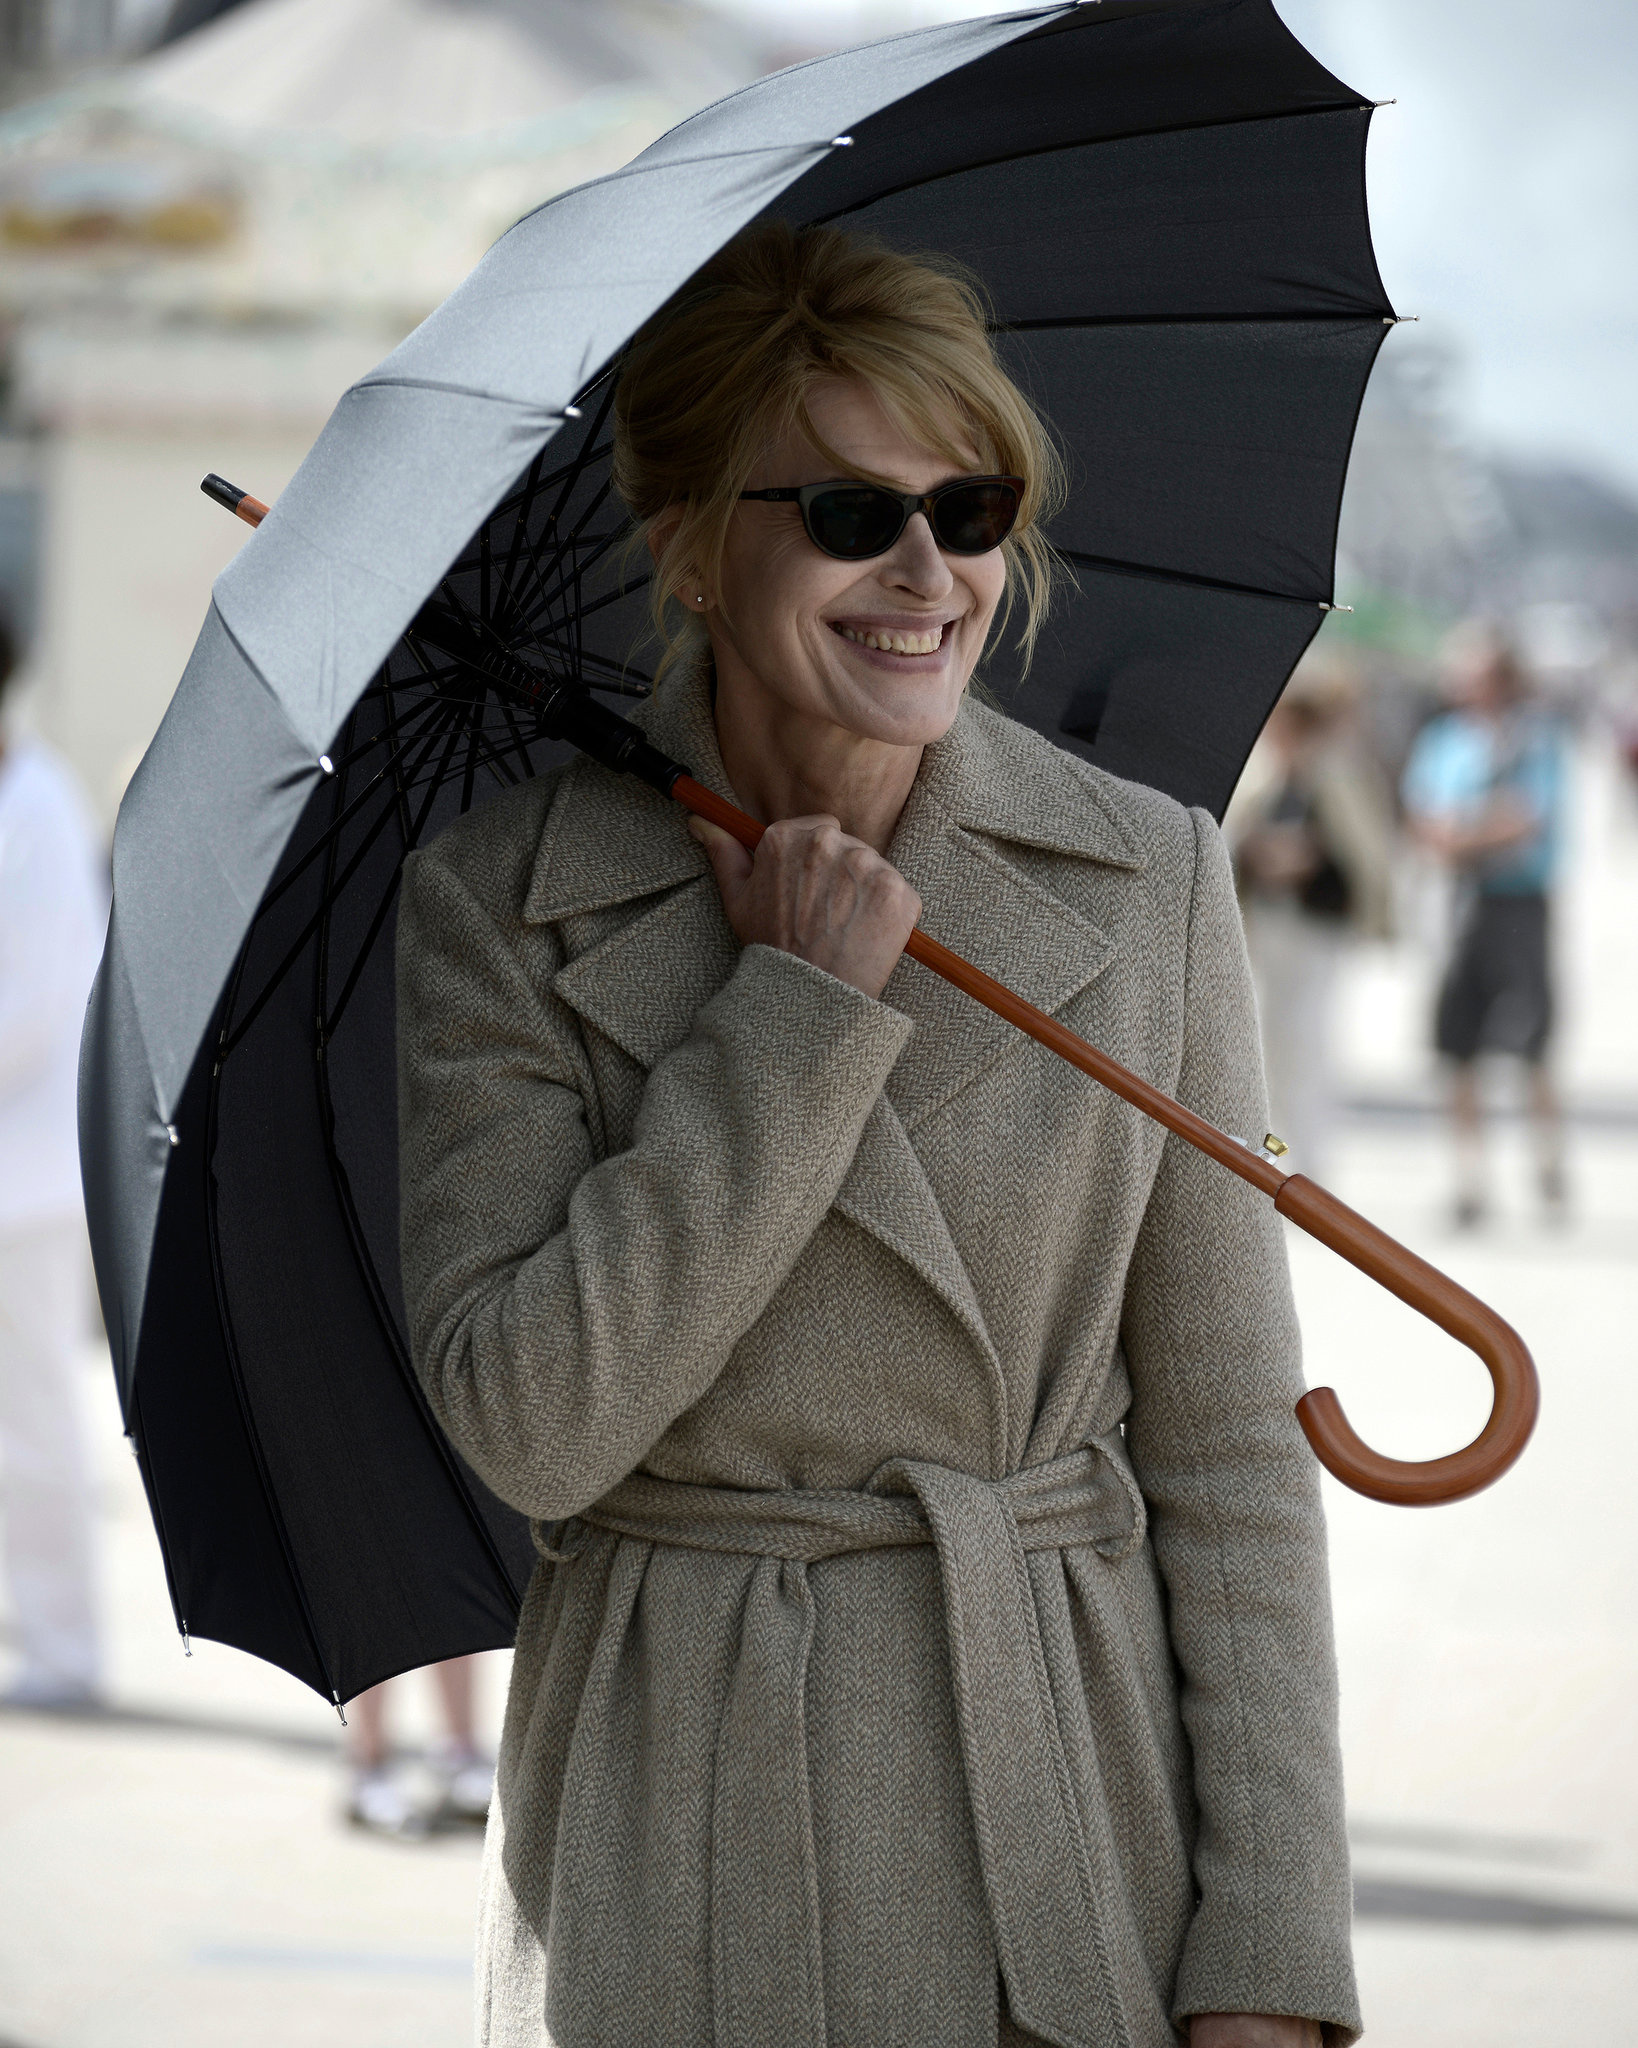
x,y
1504,195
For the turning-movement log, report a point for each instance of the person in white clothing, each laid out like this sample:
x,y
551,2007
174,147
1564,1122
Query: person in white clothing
x,y
53,910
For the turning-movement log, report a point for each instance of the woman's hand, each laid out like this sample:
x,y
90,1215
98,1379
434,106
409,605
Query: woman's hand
x,y
811,890
1252,2030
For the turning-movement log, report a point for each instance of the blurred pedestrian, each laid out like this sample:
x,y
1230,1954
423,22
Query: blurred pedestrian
x,y
381,1797
53,908
1311,831
1484,793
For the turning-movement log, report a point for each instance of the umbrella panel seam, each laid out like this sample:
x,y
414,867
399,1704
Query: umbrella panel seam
x,y
1018,156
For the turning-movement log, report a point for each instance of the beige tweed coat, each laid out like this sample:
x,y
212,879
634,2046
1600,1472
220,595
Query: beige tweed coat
x,y
931,1643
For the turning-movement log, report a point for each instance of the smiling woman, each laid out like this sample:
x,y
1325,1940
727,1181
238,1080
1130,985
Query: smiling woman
x,y
930,1643
771,318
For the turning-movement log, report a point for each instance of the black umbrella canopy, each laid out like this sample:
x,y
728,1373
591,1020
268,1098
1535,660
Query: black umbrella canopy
x,y
1165,201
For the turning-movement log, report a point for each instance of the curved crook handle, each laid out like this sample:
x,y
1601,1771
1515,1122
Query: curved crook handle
x,y
1400,1482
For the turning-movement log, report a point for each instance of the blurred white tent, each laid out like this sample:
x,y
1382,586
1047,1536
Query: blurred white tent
x,y
400,76
200,251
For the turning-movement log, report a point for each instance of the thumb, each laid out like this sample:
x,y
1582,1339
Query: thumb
x,y
731,863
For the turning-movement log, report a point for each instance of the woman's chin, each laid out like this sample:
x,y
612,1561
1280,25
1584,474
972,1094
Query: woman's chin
x,y
900,706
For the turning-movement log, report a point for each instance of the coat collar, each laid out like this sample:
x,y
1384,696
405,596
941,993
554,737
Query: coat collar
x,y
609,839
997,777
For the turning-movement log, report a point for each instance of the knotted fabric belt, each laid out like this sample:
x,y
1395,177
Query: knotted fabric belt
x,y
1057,1951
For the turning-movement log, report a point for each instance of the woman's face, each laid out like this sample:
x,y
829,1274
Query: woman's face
x,y
882,648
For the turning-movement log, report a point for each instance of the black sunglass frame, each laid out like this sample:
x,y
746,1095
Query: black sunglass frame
x,y
908,502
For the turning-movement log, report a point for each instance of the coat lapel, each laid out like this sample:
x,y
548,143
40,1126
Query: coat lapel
x,y
990,789
609,841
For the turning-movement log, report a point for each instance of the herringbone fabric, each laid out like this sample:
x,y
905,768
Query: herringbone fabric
x,y
703,1245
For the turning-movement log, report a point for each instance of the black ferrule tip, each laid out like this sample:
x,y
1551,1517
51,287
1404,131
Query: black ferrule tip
x,y
221,492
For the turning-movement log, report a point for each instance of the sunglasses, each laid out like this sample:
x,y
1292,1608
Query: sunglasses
x,y
853,522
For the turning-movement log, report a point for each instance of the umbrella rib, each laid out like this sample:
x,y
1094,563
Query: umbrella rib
x,y
1120,568
575,554
519,744
1368,315
356,971
567,549
520,494
520,522
389,711
638,169
434,712
1019,156
334,1018
570,566
294,952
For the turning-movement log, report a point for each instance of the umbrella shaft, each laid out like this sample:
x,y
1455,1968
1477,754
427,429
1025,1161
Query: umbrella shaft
x,y
1045,1030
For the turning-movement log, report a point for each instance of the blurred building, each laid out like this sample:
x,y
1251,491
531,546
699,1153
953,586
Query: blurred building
x,y
1434,529
199,250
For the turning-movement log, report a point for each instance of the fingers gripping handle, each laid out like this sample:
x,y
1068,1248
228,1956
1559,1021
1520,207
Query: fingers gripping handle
x,y
1400,1482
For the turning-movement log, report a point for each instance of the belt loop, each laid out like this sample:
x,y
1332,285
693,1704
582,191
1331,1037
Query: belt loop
x,y
549,1538
1111,1447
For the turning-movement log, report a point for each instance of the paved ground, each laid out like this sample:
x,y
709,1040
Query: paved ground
x,y
174,1876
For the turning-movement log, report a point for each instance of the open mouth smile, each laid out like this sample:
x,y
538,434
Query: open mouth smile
x,y
886,640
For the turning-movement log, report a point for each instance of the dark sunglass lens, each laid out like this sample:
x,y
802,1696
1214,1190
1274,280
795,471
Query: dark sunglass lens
x,y
975,518
855,522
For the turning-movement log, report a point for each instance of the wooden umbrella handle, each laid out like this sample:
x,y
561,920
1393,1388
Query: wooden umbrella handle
x,y
1517,1393
1401,1482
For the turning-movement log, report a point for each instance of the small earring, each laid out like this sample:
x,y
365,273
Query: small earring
x,y
700,599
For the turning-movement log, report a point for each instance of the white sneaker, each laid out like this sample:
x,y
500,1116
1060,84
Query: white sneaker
x,y
378,1800
467,1781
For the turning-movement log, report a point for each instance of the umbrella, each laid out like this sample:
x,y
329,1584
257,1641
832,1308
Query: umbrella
x,y
1165,200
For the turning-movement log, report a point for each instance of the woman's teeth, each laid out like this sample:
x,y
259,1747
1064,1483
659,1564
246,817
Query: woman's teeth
x,y
896,643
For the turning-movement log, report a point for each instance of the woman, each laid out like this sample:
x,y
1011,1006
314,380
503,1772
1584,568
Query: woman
x,y
930,1645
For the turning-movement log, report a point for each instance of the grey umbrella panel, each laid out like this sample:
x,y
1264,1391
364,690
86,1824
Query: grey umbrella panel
x,y
1165,200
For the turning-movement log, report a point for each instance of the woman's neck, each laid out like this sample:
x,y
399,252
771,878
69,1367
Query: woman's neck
x,y
782,763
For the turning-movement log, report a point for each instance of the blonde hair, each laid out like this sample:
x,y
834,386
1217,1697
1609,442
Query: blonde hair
x,y
724,369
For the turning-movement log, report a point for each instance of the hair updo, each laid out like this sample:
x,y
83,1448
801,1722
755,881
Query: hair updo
x,y
724,369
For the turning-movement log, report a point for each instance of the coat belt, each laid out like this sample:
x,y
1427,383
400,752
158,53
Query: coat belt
x,y
1057,1952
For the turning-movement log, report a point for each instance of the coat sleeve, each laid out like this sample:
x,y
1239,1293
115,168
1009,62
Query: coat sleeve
x,y
564,1311
1211,1341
